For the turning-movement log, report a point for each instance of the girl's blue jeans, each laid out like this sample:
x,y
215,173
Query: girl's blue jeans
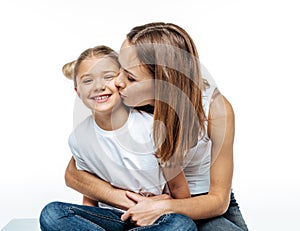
x,y
65,216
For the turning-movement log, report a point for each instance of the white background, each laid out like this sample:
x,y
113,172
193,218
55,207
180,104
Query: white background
x,y
250,47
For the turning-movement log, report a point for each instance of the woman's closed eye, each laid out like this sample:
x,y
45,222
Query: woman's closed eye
x,y
130,78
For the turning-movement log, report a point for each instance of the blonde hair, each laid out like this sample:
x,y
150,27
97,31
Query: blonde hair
x,y
70,69
170,55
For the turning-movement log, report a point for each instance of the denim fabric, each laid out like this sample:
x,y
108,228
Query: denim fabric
x,y
231,220
65,216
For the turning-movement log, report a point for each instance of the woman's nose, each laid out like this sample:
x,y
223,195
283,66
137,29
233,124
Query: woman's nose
x,y
119,82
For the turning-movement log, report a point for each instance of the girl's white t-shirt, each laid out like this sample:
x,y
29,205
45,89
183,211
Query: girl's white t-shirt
x,y
123,157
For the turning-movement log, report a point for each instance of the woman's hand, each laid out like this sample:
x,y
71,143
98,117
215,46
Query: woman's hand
x,y
147,210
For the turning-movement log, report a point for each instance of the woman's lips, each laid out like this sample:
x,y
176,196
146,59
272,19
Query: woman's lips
x,y
122,96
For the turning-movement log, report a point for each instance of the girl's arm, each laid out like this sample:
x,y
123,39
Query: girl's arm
x,y
88,201
95,188
215,203
177,182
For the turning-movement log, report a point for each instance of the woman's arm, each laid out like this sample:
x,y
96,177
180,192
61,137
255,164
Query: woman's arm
x,y
215,203
88,201
95,188
221,132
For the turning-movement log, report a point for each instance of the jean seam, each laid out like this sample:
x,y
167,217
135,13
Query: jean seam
x,y
92,223
165,216
97,215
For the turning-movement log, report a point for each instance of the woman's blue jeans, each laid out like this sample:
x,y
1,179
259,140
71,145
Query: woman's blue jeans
x,y
65,216
232,219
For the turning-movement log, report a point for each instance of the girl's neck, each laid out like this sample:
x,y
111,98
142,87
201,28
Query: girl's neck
x,y
112,120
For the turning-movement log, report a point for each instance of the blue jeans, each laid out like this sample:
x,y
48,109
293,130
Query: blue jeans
x,y
65,216
231,220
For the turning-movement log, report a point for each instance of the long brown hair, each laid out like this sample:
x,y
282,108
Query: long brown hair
x,y
170,55
70,69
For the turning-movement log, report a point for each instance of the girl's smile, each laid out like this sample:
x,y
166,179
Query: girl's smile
x,y
101,98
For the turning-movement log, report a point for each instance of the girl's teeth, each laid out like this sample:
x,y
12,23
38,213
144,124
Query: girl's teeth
x,y
102,97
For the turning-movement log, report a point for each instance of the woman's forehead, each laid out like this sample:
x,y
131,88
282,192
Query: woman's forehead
x,y
128,57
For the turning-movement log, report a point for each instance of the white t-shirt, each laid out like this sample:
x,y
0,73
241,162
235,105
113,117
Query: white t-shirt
x,y
123,157
198,160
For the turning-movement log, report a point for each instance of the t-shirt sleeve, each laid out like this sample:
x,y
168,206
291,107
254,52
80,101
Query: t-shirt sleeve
x,y
77,153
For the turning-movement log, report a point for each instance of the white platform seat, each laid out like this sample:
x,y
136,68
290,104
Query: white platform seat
x,y
30,224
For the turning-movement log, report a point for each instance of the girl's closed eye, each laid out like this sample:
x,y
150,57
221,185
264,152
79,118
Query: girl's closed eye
x,y
110,76
87,80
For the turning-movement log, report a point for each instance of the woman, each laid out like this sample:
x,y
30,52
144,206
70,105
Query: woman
x,y
160,69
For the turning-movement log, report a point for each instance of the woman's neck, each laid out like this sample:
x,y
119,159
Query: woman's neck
x,y
146,108
112,120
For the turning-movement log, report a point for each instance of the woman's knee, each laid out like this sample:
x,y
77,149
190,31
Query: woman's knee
x,y
179,222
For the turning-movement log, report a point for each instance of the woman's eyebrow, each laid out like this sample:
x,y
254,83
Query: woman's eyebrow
x,y
130,73
126,70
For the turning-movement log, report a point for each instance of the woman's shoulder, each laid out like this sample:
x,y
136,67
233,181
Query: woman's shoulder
x,y
220,106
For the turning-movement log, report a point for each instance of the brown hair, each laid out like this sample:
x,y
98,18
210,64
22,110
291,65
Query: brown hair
x,y
170,55
70,69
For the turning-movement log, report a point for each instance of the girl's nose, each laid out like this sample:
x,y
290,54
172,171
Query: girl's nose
x,y
99,84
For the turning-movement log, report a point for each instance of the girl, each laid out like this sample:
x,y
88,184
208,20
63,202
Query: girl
x,y
114,143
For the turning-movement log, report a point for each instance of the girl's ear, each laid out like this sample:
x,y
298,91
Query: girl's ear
x,y
75,88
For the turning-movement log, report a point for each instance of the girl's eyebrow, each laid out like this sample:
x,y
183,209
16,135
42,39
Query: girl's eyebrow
x,y
85,75
90,74
108,71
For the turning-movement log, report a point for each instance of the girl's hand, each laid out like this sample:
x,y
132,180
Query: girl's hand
x,y
147,210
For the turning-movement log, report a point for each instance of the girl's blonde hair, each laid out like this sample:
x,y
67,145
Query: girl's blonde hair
x,y
170,55
70,69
